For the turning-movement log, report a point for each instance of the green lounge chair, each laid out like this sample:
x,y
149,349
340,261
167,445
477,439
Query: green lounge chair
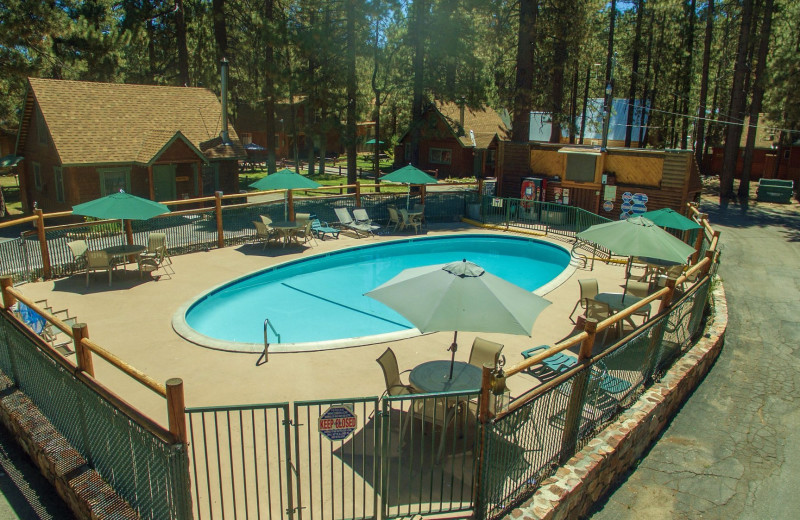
x,y
320,229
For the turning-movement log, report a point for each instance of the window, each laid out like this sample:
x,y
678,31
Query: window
x,y
580,167
440,156
58,173
407,152
490,156
41,128
37,176
114,179
210,179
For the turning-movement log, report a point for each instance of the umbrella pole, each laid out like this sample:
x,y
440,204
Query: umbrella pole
x,y
452,349
408,197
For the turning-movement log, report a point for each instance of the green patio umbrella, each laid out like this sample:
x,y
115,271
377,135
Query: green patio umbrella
x,y
460,296
670,218
284,179
373,141
409,175
638,236
120,206
9,161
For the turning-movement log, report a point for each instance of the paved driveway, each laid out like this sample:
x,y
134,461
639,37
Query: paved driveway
x,y
732,451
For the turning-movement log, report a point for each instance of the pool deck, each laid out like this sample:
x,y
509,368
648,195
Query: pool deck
x,y
132,319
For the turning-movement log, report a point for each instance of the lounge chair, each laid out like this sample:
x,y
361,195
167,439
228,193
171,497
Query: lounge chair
x,y
347,221
320,229
98,261
551,366
362,218
484,352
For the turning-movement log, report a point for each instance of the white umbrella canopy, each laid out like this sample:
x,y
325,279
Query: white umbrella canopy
x,y
460,296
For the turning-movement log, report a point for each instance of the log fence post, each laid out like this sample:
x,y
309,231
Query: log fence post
x,y
577,395
176,409
8,298
290,203
218,211
46,268
701,233
82,354
358,194
651,358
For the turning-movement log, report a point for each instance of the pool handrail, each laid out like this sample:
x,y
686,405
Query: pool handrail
x,y
265,354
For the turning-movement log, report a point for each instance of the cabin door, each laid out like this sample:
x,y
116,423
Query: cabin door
x,y
164,182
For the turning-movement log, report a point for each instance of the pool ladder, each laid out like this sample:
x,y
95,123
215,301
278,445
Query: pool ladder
x,y
265,354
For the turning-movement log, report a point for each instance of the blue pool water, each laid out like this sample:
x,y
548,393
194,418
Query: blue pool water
x,y
319,300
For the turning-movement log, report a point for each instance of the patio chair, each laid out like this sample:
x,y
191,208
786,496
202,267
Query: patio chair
x,y
150,264
347,221
419,212
551,366
264,233
408,221
391,373
589,289
157,252
394,218
78,249
361,217
484,352
98,261
304,232
640,290
599,311
320,229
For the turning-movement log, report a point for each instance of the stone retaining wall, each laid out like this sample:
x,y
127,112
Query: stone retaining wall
x,y
84,491
577,486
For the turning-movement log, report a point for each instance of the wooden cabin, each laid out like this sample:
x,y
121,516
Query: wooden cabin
x,y
455,141
83,140
616,183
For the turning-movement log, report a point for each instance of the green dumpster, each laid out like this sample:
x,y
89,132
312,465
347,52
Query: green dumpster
x,y
774,190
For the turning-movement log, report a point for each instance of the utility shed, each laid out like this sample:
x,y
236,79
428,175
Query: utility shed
x,y
615,183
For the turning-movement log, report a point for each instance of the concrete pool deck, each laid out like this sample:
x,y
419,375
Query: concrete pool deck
x,y
132,319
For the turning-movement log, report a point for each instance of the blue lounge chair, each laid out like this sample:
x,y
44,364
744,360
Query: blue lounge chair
x,y
320,229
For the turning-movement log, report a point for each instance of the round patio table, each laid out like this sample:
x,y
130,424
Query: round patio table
x,y
125,250
286,229
432,376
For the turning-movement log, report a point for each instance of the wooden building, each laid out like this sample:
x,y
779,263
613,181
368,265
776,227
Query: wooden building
x,y
83,140
455,141
615,184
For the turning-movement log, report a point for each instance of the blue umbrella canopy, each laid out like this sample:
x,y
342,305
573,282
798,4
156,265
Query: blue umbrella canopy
x,y
120,206
284,179
253,147
670,218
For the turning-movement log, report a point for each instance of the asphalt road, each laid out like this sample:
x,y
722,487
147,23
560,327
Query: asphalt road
x,y
731,452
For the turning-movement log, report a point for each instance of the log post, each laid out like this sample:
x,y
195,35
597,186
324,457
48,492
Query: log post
x,y
701,233
422,192
150,182
8,298
218,211
82,354
651,360
577,395
290,203
176,409
707,267
358,194
129,232
483,417
486,385
46,271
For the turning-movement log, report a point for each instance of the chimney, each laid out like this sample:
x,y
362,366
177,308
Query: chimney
x,y
224,72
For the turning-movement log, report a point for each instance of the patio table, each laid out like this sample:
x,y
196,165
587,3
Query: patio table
x,y
127,251
286,229
619,301
432,376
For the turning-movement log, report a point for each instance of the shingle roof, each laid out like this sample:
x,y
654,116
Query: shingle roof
x,y
96,123
484,124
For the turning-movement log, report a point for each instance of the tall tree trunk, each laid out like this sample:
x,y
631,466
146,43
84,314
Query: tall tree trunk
x,y
609,91
715,108
526,39
269,85
634,72
687,72
700,150
656,78
418,64
755,105
736,108
376,91
220,30
352,94
585,100
573,104
151,51
645,114
557,82
183,52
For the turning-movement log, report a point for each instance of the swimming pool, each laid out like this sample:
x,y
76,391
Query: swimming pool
x,y
317,302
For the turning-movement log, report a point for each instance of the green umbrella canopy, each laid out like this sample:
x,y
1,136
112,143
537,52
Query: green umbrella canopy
x,y
284,179
9,160
120,206
638,236
409,175
372,141
670,218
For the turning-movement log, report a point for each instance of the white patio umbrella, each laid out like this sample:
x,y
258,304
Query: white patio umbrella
x,y
460,296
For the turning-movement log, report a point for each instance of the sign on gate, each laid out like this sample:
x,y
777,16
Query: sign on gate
x,y
337,423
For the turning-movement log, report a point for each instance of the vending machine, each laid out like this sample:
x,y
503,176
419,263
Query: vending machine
x,y
533,188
